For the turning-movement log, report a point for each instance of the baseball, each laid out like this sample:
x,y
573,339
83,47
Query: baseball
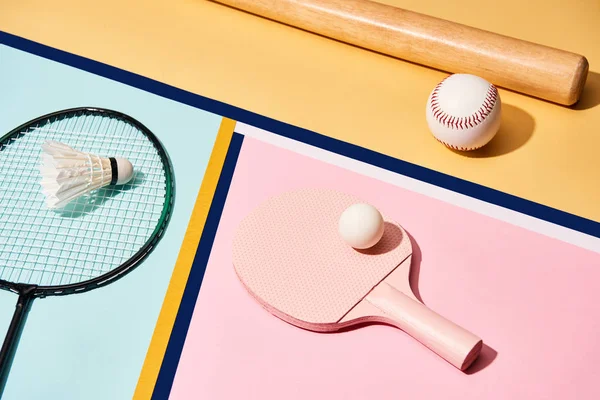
x,y
463,112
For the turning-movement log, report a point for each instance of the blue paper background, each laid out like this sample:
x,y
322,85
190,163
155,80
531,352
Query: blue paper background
x,y
95,343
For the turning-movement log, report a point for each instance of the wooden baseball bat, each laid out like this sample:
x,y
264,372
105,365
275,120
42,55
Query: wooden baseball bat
x,y
533,69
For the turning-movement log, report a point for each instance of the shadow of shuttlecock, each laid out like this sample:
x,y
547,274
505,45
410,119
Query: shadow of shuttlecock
x,y
92,201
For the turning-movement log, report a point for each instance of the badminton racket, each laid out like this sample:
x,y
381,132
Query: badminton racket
x,y
94,239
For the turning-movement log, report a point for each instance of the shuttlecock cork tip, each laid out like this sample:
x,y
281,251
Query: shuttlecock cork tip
x,y
124,170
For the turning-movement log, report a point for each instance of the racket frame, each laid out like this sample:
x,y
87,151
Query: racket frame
x,y
28,292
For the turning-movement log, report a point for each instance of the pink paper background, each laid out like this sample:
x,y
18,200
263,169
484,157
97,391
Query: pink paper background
x,y
535,301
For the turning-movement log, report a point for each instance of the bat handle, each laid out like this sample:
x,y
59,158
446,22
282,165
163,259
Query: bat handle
x,y
455,344
530,68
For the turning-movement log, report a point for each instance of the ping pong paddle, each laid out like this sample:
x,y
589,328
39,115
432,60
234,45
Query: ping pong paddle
x,y
290,257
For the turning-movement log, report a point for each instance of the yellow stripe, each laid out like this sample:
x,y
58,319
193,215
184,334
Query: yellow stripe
x,y
166,319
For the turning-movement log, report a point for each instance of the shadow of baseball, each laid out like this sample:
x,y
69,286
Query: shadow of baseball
x,y
516,129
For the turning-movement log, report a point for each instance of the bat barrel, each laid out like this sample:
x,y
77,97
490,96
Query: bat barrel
x,y
529,68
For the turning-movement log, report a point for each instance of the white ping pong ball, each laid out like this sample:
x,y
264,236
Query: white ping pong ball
x,y
361,226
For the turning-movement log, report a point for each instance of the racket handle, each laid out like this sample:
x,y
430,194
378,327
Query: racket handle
x,y
13,333
534,69
455,344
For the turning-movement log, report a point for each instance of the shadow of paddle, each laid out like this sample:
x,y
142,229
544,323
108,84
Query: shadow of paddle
x,y
415,268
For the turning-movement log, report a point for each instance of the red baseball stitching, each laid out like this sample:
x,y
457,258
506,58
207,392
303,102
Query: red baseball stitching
x,y
457,147
463,122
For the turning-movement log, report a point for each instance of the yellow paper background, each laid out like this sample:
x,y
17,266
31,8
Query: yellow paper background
x,y
544,152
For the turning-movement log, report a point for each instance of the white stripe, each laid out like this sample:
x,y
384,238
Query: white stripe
x,y
523,220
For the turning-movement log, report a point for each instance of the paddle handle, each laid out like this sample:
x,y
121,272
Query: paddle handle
x,y
533,69
455,344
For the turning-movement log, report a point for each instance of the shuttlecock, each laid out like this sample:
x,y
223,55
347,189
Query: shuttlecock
x,y
68,173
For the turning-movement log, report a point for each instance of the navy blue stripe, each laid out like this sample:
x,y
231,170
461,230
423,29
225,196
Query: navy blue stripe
x,y
312,138
168,368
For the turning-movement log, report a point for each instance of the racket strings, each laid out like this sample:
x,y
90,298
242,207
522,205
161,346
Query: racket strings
x,y
94,233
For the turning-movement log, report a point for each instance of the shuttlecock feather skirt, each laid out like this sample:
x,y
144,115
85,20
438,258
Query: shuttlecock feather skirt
x,y
68,173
